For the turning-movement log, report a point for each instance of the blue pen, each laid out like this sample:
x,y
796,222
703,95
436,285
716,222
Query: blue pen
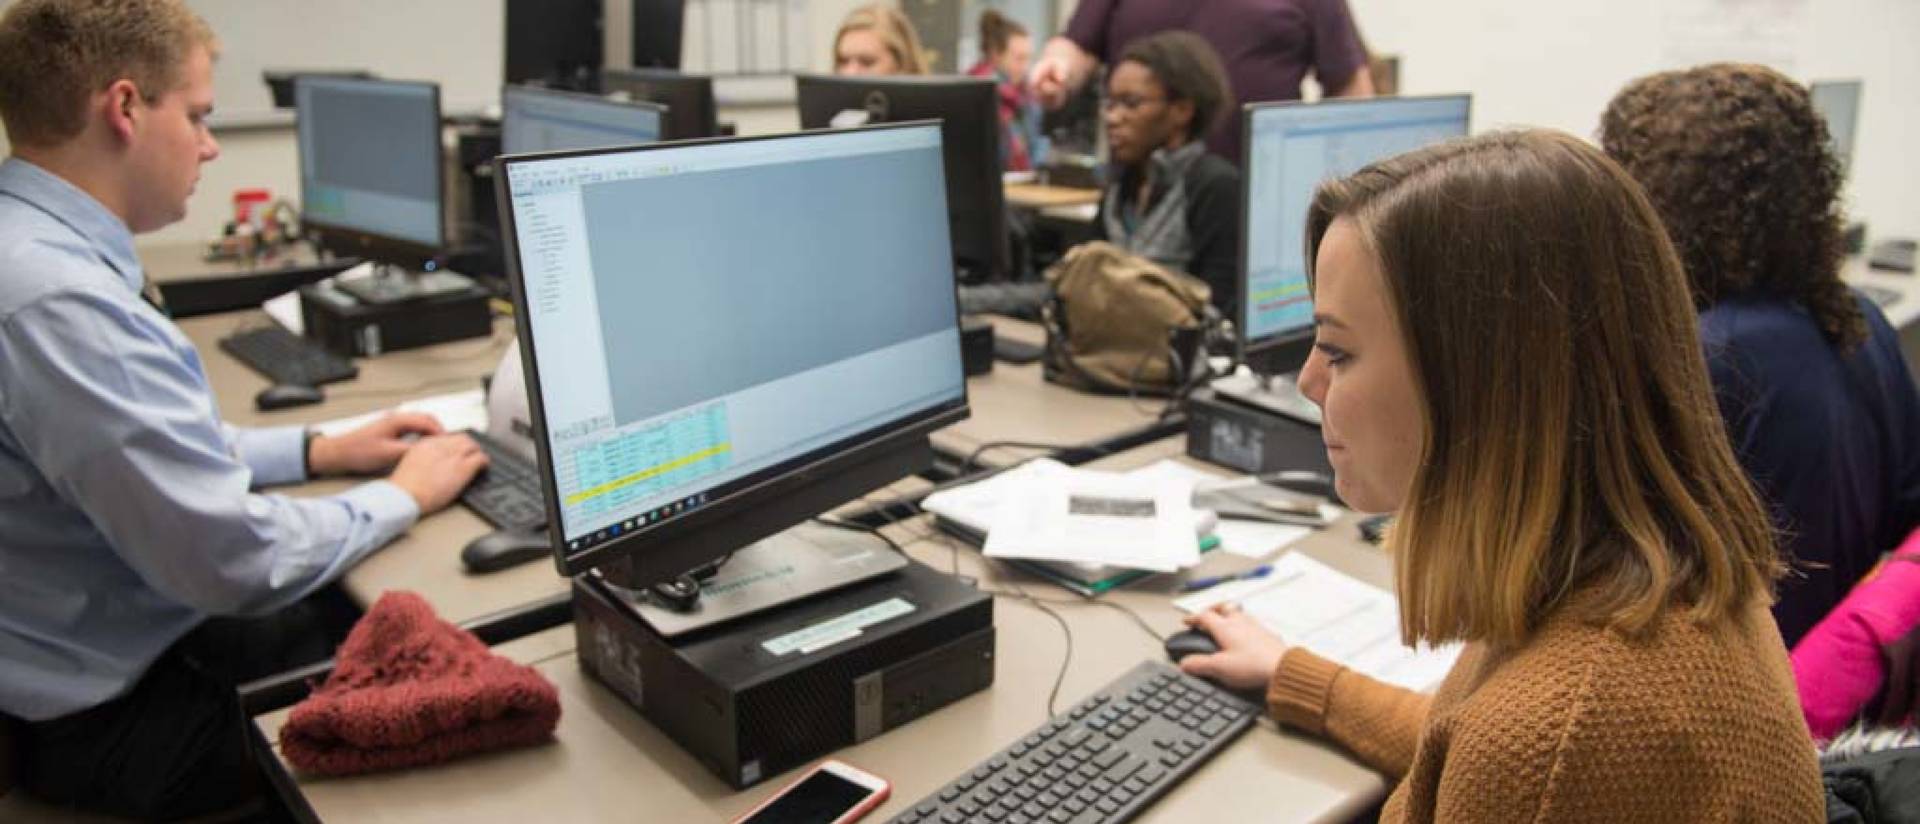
x,y
1198,584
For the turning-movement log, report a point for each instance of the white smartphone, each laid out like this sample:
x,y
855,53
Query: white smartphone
x,y
833,792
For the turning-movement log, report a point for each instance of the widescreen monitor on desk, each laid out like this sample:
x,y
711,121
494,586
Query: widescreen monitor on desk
x,y
692,394
370,171
1291,149
688,98
968,111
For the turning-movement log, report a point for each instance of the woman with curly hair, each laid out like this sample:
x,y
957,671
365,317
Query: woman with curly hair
x,y
1808,375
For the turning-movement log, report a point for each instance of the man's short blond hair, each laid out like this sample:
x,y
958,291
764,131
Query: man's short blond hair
x,y
56,54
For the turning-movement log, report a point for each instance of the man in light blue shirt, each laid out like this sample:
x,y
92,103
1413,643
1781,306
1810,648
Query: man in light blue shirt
x,y
127,511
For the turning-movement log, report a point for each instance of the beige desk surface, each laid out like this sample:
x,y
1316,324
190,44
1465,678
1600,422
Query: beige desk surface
x,y
427,558
170,262
609,764
1014,403
1041,196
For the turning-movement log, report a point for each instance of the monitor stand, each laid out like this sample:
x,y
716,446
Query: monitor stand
x,y
799,563
393,284
1279,394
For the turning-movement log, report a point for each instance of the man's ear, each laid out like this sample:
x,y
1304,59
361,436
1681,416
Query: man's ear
x,y
122,107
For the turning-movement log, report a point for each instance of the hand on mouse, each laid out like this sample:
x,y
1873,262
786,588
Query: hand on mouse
x,y
1248,652
437,468
370,449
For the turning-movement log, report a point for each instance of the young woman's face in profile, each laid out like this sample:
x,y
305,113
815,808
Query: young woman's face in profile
x,y
862,52
1361,377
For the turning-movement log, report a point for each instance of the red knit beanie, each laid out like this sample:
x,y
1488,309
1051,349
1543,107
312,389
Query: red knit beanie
x,y
409,689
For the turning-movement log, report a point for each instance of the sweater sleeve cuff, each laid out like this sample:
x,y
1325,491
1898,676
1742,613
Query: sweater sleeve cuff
x,y
1299,692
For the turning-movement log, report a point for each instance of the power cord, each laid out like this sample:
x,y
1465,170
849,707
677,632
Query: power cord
x,y
840,523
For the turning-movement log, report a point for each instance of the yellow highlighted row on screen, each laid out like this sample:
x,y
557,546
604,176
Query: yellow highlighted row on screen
x,y
649,472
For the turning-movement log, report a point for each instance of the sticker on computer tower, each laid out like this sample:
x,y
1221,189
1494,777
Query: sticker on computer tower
x,y
835,630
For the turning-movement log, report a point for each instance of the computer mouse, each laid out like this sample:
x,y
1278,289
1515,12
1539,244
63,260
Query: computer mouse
x,y
286,395
500,549
1190,642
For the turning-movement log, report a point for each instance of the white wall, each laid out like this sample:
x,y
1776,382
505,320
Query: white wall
x,y
1556,63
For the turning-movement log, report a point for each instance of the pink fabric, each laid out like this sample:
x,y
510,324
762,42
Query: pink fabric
x,y
1838,665
409,689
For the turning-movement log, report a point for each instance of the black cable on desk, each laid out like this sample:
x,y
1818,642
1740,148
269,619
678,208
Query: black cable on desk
x,y
841,523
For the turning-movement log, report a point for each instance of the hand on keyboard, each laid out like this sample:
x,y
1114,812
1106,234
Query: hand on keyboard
x,y
436,469
373,448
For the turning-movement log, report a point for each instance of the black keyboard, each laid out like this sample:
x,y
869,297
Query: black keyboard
x,y
1105,760
507,492
285,357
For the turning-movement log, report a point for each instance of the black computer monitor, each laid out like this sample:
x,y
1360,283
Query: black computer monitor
x,y
554,43
693,392
970,123
1839,102
1291,148
657,28
544,120
688,98
370,172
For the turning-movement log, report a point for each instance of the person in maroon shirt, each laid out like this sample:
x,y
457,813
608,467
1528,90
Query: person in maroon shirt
x,y
1268,47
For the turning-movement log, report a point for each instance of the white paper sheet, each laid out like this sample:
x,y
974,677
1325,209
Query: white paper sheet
x,y
1336,616
1098,518
455,410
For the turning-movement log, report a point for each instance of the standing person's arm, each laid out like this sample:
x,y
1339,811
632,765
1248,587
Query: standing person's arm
x,y
121,423
1069,59
1339,58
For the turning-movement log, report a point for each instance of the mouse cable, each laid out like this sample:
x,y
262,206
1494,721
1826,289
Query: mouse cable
x,y
839,523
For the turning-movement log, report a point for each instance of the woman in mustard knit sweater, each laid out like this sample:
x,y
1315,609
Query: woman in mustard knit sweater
x,y
1506,358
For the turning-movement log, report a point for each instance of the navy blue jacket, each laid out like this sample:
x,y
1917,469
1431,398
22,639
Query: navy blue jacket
x,y
1831,439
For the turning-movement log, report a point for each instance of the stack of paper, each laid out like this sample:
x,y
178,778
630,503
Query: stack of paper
x,y
1337,617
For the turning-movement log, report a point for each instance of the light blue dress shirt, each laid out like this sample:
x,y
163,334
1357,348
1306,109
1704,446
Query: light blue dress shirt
x,y
127,514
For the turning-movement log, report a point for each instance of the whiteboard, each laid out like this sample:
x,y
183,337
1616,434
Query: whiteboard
x,y
459,44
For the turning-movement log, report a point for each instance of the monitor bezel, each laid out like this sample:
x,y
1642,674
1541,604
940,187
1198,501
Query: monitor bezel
x,y
846,456
1285,352
353,241
659,111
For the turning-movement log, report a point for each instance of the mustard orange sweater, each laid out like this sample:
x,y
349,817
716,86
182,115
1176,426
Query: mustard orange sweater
x,y
1579,724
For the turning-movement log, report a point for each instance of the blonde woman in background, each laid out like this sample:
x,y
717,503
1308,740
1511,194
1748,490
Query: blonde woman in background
x,y
877,40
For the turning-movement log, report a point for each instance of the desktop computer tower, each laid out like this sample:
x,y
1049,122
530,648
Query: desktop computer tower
x,y
1254,441
781,688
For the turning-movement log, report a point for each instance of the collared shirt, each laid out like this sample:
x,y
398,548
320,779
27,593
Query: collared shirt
x,y
127,514
1830,438
1266,46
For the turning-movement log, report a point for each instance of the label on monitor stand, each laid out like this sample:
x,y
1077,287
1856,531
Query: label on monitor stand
x,y
835,630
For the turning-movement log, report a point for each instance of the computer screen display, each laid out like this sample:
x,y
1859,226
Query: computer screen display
x,y
538,120
1291,149
1839,102
370,158
702,319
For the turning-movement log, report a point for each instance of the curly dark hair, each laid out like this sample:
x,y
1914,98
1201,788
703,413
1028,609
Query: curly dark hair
x,y
1738,163
1189,68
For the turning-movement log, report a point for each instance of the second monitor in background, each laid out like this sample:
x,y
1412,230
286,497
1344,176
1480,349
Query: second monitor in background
x,y
970,117
541,120
370,168
1839,102
1292,148
688,98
